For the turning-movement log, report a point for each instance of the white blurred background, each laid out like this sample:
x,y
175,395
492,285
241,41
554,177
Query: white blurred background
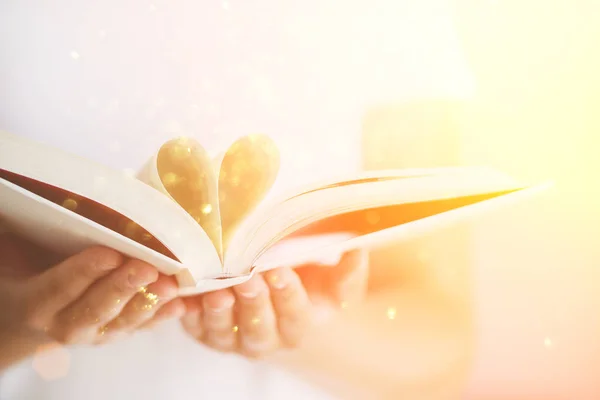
x,y
526,73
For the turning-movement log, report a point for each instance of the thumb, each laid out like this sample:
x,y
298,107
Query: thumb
x,y
64,283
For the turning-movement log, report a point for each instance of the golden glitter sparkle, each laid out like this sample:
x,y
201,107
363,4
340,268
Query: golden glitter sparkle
x,y
255,321
170,179
181,149
235,329
131,230
391,313
273,279
146,237
152,298
207,209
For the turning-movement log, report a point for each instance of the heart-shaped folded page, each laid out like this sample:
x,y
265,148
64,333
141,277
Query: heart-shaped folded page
x,y
247,172
186,174
219,202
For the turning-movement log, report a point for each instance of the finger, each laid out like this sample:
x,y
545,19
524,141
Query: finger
x,y
291,304
103,302
218,320
64,283
173,309
144,305
192,303
350,278
258,333
192,319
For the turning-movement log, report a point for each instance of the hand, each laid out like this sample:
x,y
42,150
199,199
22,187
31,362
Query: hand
x,y
89,298
255,318
338,287
273,309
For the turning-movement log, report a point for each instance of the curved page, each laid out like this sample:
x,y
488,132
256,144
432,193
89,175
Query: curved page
x,y
127,196
312,206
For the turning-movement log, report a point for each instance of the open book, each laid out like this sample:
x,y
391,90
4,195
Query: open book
x,y
211,222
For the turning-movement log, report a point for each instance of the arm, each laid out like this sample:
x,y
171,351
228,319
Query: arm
x,y
412,334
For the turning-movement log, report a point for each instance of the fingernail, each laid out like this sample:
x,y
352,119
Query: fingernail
x,y
177,310
218,305
256,347
221,341
279,279
140,278
250,289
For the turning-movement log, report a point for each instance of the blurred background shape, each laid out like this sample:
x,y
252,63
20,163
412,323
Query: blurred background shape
x,y
535,115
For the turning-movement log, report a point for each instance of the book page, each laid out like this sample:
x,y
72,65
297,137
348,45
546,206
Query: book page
x,y
183,171
369,196
220,192
372,235
126,196
247,171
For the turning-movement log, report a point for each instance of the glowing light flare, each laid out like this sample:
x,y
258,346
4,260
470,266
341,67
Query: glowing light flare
x,y
132,230
372,217
391,313
207,209
170,179
70,204
51,361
